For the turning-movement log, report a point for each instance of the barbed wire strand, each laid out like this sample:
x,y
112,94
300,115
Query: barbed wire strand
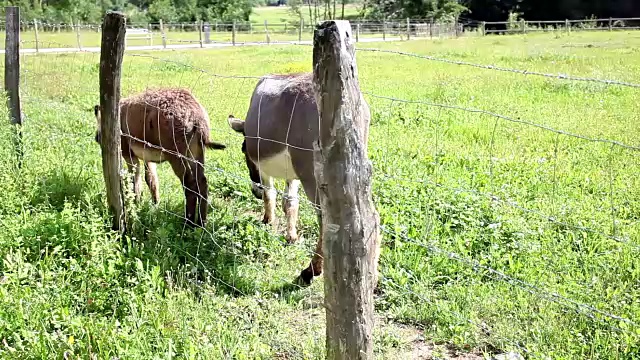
x,y
498,68
553,297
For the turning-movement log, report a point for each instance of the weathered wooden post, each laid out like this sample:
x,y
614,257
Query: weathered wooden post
x,y
266,31
35,31
78,35
384,29
163,34
567,26
483,28
408,29
233,33
350,222
200,32
300,29
358,32
610,24
12,73
112,51
523,25
207,33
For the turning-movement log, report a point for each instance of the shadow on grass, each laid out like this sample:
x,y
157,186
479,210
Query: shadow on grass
x,y
230,253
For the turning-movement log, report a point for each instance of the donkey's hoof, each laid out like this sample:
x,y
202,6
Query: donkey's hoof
x,y
304,279
267,220
291,239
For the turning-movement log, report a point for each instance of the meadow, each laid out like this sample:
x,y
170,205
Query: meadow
x,y
498,235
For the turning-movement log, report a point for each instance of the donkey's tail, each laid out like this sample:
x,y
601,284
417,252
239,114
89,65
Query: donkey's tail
x,y
215,145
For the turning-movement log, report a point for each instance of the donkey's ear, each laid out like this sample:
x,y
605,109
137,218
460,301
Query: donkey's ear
x,y
236,124
96,110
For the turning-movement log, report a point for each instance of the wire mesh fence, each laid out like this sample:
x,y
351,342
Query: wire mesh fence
x,y
493,224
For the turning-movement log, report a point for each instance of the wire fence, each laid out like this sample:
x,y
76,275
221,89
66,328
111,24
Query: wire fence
x,y
428,220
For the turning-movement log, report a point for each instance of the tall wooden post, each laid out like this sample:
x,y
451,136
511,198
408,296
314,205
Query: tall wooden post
x,y
200,32
12,73
35,31
163,34
112,51
78,36
266,31
384,29
350,222
300,29
233,33
408,29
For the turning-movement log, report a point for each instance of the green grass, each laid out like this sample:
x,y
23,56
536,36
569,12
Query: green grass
x,y
68,285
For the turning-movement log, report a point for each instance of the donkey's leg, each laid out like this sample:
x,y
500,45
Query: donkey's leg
x,y
202,187
151,177
269,199
183,171
317,260
290,204
133,163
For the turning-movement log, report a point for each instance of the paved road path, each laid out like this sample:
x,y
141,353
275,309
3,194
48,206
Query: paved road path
x,y
184,46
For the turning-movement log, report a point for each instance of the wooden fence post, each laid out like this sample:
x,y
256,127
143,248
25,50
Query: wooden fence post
x,y
200,32
163,34
483,28
523,24
384,29
35,31
233,33
350,222
610,24
358,32
408,29
111,53
78,35
12,74
266,31
300,29
567,26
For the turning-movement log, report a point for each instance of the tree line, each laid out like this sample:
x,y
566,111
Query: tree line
x,y
91,11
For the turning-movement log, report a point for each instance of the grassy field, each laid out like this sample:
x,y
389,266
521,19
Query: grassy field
x,y
67,285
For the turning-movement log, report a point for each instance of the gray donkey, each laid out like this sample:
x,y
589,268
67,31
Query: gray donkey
x,y
167,124
279,132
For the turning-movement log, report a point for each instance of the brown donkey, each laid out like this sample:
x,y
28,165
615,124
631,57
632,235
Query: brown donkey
x,y
167,124
279,132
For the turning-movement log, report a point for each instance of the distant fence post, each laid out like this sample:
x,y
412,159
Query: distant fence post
x,y
300,29
610,24
111,53
200,32
408,29
233,33
483,28
12,73
567,26
350,222
78,35
523,24
163,34
207,33
35,31
266,30
358,32
384,29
